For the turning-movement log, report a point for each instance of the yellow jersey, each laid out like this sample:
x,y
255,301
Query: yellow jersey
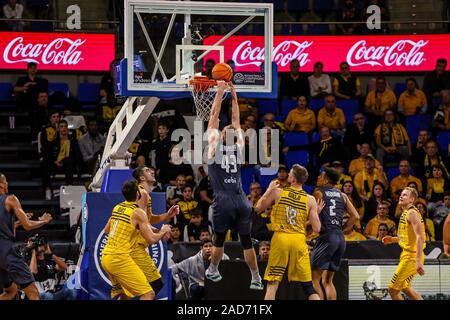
x,y
290,212
406,235
140,239
123,234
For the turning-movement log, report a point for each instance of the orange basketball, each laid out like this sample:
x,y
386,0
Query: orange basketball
x,y
222,71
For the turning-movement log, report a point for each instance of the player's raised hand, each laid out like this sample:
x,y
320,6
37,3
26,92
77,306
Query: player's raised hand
x,y
47,217
165,228
387,240
221,85
320,205
274,185
173,211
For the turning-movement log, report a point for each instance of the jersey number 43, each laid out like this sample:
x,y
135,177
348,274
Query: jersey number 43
x,y
229,163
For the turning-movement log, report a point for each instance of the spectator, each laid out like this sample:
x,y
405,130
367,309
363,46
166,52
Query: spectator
x,y
61,157
379,100
264,251
206,195
301,118
379,195
249,123
162,146
412,100
319,83
349,189
431,157
383,231
282,176
267,146
269,121
357,133
401,181
175,234
441,119
40,113
391,138
418,148
437,184
421,205
45,266
255,193
174,195
187,205
441,212
339,167
367,178
345,85
194,267
358,164
261,226
14,11
332,117
371,230
27,88
328,149
48,133
352,235
196,225
178,166
205,233
209,65
106,93
347,14
436,81
294,84
91,146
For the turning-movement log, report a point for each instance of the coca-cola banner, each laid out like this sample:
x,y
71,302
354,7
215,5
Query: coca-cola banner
x,y
57,51
363,53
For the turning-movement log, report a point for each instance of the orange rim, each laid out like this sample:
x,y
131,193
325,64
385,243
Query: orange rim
x,y
202,80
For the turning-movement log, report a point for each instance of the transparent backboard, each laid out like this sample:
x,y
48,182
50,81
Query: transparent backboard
x,y
167,43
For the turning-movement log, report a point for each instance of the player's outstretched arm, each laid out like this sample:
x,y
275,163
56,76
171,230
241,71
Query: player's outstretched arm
x,y
446,236
413,218
140,221
13,204
216,106
354,215
235,115
269,197
165,217
313,214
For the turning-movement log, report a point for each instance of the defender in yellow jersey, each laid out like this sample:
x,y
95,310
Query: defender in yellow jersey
x,y
410,237
292,208
126,223
146,178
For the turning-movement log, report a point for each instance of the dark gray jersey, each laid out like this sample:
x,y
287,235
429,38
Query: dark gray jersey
x,y
6,221
224,169
333,212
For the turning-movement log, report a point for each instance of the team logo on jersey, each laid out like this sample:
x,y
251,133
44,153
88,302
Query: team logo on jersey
x,y
156,251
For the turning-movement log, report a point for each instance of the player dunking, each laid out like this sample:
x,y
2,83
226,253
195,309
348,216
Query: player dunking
x,y
231,209
410,237
330,246
126,223
14,270
292,208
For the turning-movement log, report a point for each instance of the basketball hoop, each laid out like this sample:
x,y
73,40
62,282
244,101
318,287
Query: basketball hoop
x,y
203,93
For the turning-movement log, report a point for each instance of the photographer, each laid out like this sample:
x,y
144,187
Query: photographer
x,y
46,266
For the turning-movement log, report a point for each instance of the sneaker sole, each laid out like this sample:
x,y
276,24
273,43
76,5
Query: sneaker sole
x,y
214,279
256,287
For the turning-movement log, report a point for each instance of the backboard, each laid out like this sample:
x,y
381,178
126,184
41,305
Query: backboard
x,y
166,43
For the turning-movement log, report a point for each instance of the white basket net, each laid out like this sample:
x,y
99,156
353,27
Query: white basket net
x,y
203,99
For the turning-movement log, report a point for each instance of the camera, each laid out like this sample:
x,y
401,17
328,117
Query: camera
x,y
37,240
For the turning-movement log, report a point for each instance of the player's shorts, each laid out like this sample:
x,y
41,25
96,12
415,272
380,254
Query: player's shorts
x,y
288,250
13,267
145,263
231,211
328,251
405,272
125,275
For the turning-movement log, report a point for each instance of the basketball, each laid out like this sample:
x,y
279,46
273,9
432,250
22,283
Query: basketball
x,y
222,71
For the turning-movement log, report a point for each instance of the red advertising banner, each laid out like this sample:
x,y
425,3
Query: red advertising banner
x,y
397,53
57,51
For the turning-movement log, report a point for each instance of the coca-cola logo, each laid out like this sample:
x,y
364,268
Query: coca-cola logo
x,y
58,51
401,53
245,54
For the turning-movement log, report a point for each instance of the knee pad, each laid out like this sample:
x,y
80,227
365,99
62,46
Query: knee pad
x,y
219,239
246,241
157,285
308,288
